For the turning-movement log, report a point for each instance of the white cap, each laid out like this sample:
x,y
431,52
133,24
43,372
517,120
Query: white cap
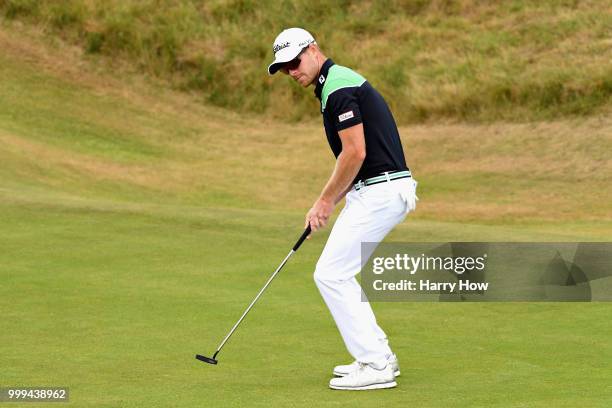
x,y
288,45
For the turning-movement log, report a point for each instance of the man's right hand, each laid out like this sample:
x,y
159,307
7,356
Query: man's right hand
x,y
319,214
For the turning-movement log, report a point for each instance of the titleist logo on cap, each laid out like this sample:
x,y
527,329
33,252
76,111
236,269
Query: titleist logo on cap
x,y
278,47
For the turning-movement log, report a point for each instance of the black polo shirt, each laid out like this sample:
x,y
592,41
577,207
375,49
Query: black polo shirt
x,y
348,99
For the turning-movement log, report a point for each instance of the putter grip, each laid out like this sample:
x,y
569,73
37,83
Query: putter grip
x,y
302,238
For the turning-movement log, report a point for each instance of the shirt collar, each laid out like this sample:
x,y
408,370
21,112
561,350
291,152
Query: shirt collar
x,y
322,77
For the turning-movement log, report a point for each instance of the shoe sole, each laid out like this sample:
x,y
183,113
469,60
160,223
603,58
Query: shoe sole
x,y
339,374
365,387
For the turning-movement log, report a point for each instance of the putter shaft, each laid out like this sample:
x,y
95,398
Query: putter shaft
x,y
299,242
255,300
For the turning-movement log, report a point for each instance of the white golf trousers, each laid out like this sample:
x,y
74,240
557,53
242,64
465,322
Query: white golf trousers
x,y
368,216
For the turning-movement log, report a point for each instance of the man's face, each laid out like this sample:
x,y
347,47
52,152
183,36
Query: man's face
x,y
302,68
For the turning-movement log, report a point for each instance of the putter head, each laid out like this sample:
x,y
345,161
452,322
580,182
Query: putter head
x,y
206,359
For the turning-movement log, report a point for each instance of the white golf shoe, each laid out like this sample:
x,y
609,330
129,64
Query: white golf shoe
x,y
365,377
343,370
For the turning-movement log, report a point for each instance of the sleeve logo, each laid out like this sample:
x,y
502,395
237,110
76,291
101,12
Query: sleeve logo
x,y
345,116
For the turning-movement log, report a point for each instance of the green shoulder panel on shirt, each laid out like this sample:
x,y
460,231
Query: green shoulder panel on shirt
x,y
339,77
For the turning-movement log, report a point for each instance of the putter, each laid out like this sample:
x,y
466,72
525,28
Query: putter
x,y
214,360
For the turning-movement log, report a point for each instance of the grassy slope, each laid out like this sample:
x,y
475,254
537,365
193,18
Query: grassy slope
x,y
483,61
103,139
131,240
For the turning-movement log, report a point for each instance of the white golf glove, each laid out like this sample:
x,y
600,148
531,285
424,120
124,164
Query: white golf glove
x,y
409,196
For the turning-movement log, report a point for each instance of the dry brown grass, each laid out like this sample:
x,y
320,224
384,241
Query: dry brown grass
x,y
458,59
498,172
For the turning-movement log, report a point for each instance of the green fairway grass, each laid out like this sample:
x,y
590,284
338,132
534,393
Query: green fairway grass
x,y
114,303
138,224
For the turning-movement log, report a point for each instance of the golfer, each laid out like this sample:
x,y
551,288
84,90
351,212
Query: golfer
x,y
371,173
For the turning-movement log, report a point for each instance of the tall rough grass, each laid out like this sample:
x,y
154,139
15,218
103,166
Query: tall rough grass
x,y
432,59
